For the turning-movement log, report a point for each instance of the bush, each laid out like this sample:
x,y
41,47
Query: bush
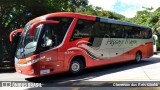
x,y
158,45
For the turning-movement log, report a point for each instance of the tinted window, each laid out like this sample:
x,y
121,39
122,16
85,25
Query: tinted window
x,y
53,34
145,33
137,32
116,31
61,28
101,29
49,34
83,29
149,33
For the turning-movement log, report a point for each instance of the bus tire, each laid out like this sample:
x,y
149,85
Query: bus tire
x,y
76,66
138,57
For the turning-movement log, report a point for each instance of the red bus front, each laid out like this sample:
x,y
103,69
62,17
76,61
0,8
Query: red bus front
x,y
40,48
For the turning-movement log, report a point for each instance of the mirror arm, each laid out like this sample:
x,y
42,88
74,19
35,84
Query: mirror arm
x,y
13,32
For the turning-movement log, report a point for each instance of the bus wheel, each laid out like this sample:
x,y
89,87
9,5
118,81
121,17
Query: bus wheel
x,y
76,66
138,57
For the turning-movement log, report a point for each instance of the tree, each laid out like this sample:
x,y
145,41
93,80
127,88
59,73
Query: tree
x,y
15,14
154,19
142,16
148,18
77,4
98,11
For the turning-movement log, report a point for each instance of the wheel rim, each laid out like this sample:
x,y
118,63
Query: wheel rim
x,y
138,57
75,67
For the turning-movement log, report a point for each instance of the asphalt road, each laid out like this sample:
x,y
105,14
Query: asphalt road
x,y
147,70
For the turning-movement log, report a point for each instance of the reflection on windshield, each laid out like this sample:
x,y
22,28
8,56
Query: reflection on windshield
x,y
28,44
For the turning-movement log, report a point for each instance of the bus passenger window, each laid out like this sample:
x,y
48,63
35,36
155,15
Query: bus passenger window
x,y
76,33
116,31
149,33
83,29
101,30
128,32
61,28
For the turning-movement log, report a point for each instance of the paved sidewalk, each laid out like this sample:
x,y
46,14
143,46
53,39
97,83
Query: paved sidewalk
x,y
149,72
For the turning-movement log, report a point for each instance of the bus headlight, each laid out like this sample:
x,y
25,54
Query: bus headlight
x,y
28,63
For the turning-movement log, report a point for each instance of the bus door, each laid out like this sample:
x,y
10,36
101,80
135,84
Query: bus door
x,y
48,61
49,52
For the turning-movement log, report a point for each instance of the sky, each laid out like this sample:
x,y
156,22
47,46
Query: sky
x,y
127,8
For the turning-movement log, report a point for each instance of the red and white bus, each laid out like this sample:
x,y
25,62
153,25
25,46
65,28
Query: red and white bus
x,y
65,41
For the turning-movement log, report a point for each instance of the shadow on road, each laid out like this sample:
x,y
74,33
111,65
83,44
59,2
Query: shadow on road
x,y
65,79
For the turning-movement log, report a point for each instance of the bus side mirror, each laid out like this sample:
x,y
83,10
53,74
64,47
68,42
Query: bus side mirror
x,y
13,32
34,25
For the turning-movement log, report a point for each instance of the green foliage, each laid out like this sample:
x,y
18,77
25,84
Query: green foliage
x,y
98,11
141,17
158,45
148,18
75,5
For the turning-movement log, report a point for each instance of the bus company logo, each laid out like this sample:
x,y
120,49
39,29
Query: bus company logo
x,y
121,42
6,84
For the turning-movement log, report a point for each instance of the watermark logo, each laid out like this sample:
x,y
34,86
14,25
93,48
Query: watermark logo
x,y
6,84
19,84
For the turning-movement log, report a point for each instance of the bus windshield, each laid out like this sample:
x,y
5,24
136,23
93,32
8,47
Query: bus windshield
x,y
43,33
28,44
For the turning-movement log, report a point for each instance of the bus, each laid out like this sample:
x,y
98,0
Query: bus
x,y
71,42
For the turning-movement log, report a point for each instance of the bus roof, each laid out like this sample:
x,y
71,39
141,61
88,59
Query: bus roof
x,y
64,14
108,20
71,14
86,17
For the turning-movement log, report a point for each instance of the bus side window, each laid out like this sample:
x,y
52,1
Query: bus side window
x,y
61,28
113,31
101,30
148,33
49,37
117,31
128,32
83,29
142,33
